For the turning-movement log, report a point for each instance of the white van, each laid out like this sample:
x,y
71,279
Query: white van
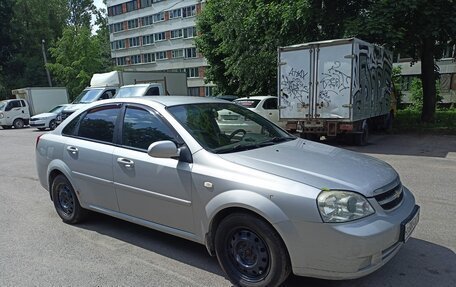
x,y
14,113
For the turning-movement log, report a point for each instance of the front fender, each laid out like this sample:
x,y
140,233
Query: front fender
x,y
252,201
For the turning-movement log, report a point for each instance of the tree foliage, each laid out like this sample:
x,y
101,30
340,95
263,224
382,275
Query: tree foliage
x,y
77,56
416,28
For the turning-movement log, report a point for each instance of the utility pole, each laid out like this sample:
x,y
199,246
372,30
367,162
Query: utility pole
x,y
45,63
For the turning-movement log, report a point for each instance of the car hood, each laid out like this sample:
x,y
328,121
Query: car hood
x,y
44,115
319,165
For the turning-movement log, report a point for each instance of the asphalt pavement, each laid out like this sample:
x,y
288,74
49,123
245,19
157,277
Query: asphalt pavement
x,y
37,249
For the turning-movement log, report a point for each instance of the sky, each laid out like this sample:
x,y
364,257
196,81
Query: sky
x,y
99,3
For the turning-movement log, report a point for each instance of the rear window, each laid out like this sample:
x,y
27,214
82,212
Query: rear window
x,y
247,103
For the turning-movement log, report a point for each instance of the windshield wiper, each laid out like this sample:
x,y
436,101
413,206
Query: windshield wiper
x,y
275,140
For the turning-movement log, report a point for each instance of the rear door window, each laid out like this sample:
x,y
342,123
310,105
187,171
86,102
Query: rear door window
x,y
270,104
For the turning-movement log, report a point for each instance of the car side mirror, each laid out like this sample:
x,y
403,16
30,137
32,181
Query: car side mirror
x,y
163,149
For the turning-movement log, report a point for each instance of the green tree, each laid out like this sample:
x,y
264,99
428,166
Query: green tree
x,y
32,21
77,56
416,28
6,13
80,12
239,39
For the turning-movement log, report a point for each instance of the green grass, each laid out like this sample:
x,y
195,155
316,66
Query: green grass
x,y
408,120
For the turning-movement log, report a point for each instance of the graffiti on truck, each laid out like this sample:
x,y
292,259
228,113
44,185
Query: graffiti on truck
x,y
295,87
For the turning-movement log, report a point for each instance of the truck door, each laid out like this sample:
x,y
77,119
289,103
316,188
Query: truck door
x,y
333,78
295,74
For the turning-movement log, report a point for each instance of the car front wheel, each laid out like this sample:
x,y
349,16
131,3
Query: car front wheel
x,y
251,252
65,201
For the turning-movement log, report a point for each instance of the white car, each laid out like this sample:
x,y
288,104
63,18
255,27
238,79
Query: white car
x,y
47,120
265,106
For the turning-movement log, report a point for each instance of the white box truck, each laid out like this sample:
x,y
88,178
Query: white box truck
x,y
42,99
105,86
335,87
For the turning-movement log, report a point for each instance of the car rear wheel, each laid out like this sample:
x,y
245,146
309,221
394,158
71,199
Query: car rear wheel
x,y
18,123
66,202
52,125
251,252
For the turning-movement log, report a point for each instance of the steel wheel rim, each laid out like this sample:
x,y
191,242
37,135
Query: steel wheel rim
x,y
52,125
248,254
66,200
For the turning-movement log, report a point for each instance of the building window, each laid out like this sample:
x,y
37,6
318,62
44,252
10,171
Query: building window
x,y
189,11
135,59
177,53
116,27
146,3
190,53
147,40
177,13
149,58
176,33
159,17
117,45
209,91
134,42
132,24
115,10
132,5
160,55
159,37
194,91
147,20
121,61
189,32
192,72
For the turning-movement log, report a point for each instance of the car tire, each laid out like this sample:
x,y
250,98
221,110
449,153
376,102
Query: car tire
x,y
251,252
52,125
66,202
18,124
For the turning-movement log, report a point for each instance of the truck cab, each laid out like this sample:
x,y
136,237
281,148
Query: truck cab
x,y
14,113
87,96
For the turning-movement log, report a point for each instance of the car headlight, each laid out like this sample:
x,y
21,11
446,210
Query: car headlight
x,y
343,206
2,115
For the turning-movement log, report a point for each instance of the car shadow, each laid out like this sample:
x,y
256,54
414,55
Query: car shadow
x,y
419,263
442,146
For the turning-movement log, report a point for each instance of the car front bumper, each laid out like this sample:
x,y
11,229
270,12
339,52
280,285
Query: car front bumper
x,y
347,250
38,123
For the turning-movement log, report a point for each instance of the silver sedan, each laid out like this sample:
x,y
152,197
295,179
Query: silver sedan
x,y
263,201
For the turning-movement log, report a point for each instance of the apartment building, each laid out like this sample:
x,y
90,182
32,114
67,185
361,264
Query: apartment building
x,y
158,35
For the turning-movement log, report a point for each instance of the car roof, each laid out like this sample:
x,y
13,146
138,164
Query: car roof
x,y
168,101
140,85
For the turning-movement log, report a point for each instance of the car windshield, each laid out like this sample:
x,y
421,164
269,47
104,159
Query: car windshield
x,y
88,96
2,106
226,127
248,103
57,109
131,92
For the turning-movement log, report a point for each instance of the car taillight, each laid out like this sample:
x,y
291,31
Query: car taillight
x,y
38,140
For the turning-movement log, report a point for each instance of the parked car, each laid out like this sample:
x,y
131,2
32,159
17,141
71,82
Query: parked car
x,y
265,203
47,120
265,106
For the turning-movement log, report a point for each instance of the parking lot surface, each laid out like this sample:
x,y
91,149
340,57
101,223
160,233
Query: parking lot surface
x,y
37,249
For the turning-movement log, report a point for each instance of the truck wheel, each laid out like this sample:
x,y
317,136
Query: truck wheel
x,y
251,252
52,125
18,123
362,138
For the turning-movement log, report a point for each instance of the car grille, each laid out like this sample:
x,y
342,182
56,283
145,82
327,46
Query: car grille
x,y
391,198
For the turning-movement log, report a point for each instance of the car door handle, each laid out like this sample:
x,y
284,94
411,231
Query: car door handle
x,y
126,162
72,149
